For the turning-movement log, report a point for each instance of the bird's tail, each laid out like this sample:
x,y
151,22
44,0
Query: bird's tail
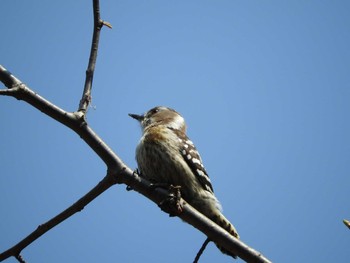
x,y
222,221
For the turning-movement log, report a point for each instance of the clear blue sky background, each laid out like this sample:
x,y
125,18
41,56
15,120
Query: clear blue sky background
x,y
263,85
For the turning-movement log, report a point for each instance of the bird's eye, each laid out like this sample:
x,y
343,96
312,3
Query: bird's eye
x,y
155,110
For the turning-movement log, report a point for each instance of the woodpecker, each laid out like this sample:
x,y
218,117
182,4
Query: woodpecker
x,y
165,155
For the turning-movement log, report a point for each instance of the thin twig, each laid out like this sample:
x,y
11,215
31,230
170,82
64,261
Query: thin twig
x,y
98,23
75,121
8,79
20,259
102,186
201,250
107,24
7,92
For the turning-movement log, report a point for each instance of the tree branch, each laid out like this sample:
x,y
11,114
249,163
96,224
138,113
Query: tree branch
x,y
98,23
117,172
43,228
73,120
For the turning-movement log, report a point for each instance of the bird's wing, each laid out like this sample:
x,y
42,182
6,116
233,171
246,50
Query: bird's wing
x,y
193,159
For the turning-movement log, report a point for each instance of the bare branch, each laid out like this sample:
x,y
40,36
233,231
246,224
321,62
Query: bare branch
x,y
107,24
20,259
194,218
7,92
201,250
8,79
102,186
121,173
98,23
118,172
73,120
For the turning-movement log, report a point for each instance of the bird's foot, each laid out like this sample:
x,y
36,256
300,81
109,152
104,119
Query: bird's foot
x,y
135,172
172,203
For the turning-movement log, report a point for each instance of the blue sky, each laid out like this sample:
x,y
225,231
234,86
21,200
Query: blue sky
x,y
264,87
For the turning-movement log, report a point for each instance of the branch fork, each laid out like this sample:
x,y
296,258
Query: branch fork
x,y
117,171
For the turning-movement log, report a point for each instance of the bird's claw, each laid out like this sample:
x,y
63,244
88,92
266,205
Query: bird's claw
x,y
172,203
137,173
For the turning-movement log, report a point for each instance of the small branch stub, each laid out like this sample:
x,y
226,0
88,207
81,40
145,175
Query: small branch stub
x,y
107,24
20,259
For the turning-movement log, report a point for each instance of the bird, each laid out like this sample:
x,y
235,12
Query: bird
x,y
166,155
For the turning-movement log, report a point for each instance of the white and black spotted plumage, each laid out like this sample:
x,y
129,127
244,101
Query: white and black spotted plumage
x,y
166,155
193,159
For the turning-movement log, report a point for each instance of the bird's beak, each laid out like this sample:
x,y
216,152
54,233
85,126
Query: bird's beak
x,y
136,117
